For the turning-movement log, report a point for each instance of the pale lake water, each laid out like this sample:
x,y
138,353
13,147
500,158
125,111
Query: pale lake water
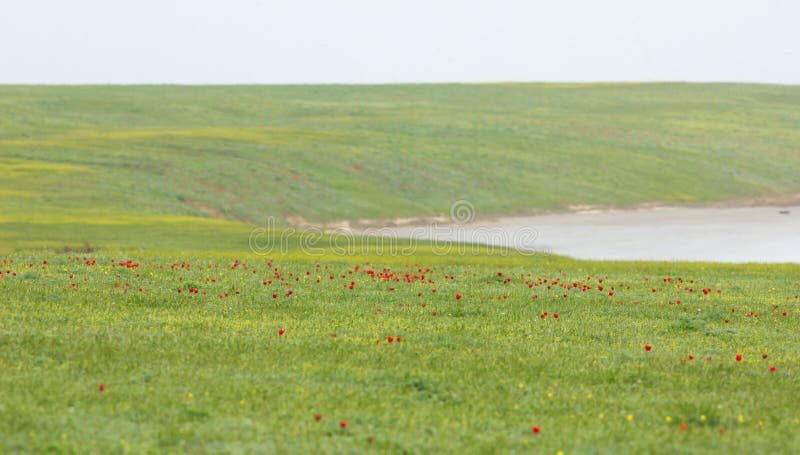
x,y
745,234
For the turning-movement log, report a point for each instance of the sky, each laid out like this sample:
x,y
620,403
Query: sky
x,y
397,41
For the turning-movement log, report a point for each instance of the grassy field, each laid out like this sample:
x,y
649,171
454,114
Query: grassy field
x,y
392,354
138,156
135,316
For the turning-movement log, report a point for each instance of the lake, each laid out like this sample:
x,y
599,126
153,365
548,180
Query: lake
x,y
744,234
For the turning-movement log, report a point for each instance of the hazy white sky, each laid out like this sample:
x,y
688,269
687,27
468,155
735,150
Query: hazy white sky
x,y
363,41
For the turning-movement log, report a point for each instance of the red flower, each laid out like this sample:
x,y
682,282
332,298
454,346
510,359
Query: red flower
x,y
764,356
691,357
318,417
738,357
683,427
458,296
773,368
535,430
343,424
647,347
389,339
274,296
281,331
555,315
101,387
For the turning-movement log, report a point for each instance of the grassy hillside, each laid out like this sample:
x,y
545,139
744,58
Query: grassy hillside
x,y
101,155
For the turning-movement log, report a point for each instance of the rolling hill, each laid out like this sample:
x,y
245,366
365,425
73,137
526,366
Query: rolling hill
x,y
128,165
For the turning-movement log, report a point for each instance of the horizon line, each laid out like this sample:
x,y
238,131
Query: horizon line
x,y
284,84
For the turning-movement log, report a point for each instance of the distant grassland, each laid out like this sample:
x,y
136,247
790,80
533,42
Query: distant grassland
x,y
325,153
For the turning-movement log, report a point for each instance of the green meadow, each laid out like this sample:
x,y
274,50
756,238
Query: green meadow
x,y
136,318
385,347
101,154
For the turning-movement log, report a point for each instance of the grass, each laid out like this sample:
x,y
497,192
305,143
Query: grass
x,y
328,153
209,371
179,180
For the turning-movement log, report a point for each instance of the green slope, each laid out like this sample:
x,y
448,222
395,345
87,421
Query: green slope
x,y
102,153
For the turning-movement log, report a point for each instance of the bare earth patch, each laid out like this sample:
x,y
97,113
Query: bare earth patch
x,y
205,208
360,225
